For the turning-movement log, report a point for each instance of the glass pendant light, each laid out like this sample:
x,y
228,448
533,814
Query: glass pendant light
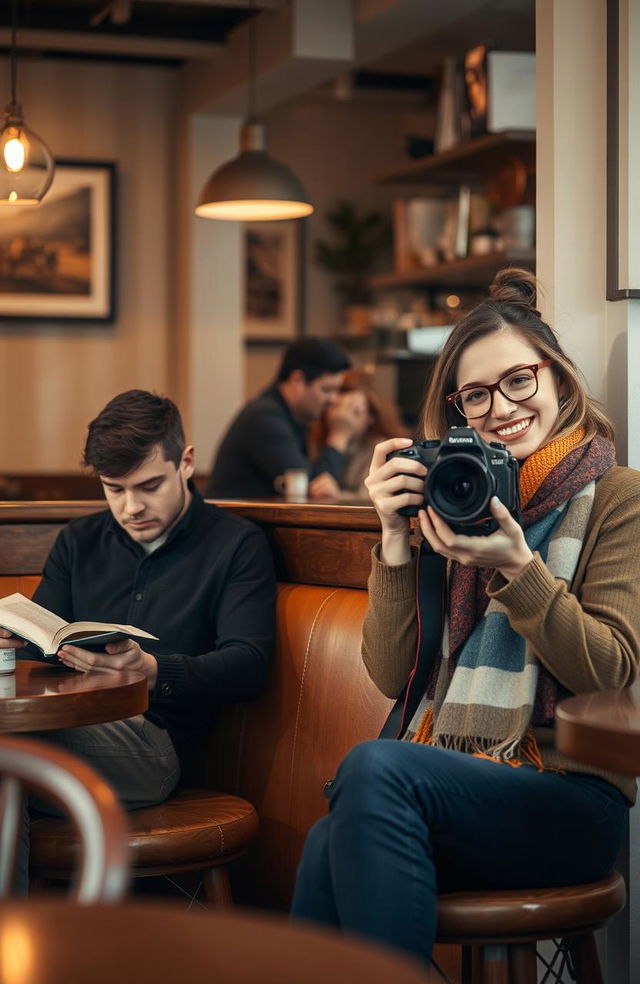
x,y
253,186
26,164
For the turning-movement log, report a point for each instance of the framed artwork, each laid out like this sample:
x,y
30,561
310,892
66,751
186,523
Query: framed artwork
x,y
57,259
623,140
273,280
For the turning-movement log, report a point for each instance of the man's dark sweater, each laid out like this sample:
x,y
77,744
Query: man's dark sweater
x,y
208,593
262,442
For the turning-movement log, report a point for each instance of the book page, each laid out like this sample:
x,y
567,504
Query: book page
x,y
30,621
76,631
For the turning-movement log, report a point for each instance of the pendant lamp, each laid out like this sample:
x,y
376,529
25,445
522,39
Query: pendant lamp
x,y
253,187
26,164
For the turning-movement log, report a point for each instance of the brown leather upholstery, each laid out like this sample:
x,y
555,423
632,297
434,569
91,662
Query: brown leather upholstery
x,y
26,584
279,752
192,829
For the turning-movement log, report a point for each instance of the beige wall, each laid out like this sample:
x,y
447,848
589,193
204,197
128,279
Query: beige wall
x,y
57,376
336,148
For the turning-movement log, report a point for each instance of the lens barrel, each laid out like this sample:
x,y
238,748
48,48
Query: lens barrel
x,y
459,488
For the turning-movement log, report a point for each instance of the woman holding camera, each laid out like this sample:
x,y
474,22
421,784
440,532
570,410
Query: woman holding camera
x,y
475,795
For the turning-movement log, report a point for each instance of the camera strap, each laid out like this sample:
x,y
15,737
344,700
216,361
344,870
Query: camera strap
x,y
431,593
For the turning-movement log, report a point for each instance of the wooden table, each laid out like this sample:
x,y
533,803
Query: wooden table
x,y
602,728
55,942
40,697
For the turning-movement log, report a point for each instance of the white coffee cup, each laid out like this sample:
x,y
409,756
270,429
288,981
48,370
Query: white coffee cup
x,y
7,661
7,685
293,485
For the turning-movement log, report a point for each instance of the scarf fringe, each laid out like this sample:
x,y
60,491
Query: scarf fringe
x,y
527,749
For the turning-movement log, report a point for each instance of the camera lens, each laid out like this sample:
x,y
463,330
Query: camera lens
x,y
459,488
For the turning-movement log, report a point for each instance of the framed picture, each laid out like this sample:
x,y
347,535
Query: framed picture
x,y
623,139
273,281
57,259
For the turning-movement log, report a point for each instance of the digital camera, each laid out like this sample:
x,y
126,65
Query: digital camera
x,y
463,474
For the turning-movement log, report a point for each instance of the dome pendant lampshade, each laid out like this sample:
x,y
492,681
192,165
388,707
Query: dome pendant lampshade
x,y
253,186
26,164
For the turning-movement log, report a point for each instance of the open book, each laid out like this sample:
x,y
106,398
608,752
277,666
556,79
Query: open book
x,y
48,632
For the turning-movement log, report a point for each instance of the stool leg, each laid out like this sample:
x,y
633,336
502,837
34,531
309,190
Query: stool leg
x,y
585,959
494,964
466,965
217,888
523,963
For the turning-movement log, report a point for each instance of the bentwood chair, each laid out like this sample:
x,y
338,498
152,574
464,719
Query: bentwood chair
x,y
499,931
100,862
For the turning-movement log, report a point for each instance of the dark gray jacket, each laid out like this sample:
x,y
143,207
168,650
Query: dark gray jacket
x,y
261,443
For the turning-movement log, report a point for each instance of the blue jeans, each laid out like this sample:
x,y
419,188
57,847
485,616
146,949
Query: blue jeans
x,y
407,821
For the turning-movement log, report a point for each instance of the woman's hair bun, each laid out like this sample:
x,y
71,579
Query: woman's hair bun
x,y
515,286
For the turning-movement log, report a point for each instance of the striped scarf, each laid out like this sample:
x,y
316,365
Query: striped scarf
x,y
488,688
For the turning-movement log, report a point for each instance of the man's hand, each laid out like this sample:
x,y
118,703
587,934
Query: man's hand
x,y
7,641
347,418
324,486
125,654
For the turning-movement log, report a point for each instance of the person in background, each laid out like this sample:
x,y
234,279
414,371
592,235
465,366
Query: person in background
x,y
269,435
199,578
476,796
379,420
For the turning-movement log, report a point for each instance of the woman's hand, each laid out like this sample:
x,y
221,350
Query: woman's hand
x,y
392,485
505,550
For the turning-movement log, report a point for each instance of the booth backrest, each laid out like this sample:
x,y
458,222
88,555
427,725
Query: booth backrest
x,y
278,751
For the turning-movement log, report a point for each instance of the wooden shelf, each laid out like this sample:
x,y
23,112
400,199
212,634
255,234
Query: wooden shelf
x,y
471,271
465,162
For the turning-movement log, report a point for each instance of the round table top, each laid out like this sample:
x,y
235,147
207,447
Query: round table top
x,y
54,942
43,696
601,728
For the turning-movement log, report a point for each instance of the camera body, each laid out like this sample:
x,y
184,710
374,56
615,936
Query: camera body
x,y
463,474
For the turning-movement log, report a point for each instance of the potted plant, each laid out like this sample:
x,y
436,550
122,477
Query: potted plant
x,y
359,240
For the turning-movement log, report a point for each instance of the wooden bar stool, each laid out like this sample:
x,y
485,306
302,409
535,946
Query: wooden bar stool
x,y
193,830
499,930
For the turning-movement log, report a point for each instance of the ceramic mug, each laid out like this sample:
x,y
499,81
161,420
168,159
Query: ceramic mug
x,y
7,661
293,485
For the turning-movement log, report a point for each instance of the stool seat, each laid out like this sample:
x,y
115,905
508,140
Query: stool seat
x,y
530,914
194,828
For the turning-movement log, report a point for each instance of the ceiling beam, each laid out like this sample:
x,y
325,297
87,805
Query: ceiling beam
x,y
94,43
308,42
298,47
259,4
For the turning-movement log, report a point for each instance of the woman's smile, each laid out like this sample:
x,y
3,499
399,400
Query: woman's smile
x,y
525,426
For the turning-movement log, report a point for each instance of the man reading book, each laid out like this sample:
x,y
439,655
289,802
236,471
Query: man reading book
x,y
195,576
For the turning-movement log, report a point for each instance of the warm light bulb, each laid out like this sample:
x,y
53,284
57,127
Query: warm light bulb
x,y
14,152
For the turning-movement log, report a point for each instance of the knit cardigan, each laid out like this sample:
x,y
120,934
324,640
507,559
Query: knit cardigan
x,y
588,637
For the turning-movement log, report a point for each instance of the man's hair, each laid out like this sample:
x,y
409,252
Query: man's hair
x,y
313,357
127,430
